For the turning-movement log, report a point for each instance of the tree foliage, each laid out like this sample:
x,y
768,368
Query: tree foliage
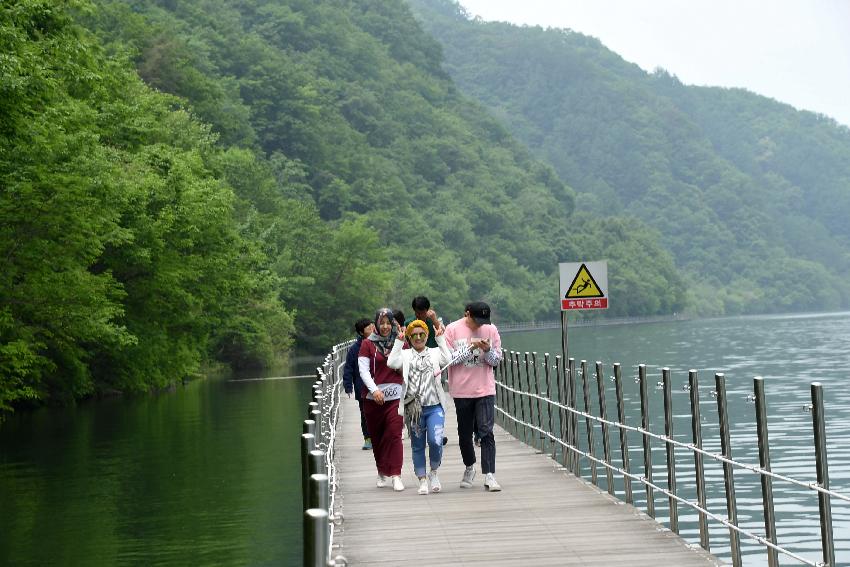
x,y
749,195
188,181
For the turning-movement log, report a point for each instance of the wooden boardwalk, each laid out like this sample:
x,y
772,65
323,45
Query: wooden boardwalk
x,y
543,516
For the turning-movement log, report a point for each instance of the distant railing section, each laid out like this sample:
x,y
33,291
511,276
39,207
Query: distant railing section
x,y
318,467
538,402
579,321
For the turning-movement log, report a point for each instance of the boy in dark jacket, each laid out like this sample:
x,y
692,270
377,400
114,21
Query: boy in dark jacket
x,y
351,375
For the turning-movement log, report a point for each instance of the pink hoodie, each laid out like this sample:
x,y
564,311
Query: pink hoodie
x,y
474,377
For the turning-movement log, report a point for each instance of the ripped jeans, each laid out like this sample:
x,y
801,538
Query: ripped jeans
x,y
431,427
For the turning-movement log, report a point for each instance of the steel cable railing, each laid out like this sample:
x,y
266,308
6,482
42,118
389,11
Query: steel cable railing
x,y
320,479
514,397
646,482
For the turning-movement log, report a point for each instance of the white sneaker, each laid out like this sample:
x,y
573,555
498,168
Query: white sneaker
x,y
382,481
490,483
397,484
434,481
468,476
423,485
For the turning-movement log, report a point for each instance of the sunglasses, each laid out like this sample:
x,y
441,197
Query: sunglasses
x,y
418,335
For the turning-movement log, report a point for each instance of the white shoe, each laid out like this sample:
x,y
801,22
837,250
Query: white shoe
x,y
397,484
382,481
468,477
423,485
434,481
490,483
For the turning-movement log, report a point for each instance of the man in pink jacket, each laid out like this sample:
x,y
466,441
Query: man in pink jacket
x,y
472,384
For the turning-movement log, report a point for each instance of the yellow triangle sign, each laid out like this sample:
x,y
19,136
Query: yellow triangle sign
x,y
583,285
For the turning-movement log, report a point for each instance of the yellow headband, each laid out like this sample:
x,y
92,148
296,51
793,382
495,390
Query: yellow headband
x,y
414,324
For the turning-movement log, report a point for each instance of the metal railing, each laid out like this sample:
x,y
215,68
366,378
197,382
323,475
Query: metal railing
x,y
538,403
579,321
318,468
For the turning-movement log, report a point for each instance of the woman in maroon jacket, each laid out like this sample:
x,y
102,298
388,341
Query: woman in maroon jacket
x,y
382,388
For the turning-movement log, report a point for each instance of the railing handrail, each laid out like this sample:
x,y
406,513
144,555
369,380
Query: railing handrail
x,y
512,326
646,482
511,370
689,446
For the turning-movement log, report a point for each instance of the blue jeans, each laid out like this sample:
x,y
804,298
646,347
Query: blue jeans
x,y
431,427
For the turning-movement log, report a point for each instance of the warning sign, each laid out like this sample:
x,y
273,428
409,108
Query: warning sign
x,y
588,285
583,285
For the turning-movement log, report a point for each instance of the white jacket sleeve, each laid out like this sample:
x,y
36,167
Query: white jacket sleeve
x,y
445,353
365,373
396,360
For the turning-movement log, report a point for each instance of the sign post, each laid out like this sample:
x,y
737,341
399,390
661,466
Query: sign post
x,y
584,285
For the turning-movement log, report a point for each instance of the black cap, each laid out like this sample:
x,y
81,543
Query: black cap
x,y
480,312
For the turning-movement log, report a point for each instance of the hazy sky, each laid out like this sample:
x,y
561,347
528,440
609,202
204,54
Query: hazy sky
x,y
796,51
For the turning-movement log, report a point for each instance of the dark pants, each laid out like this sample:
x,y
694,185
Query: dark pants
x,y
363,427
385,425
477,414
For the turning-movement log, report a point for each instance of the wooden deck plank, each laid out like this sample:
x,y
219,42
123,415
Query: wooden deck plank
x,y
543,516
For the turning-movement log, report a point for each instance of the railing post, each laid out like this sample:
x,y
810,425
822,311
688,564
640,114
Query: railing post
x,y
670,448
562,414
515,395
539,421
309,426
509,396
764,463
573,418
316,462
699,471
603,413
551,429
526,433
500,391
824,505
316,416
308,443
647,444
728,471
316,537
319,496
624,439
506,394
588,423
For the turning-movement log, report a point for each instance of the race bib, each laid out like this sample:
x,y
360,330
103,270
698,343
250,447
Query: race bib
x,y
391,391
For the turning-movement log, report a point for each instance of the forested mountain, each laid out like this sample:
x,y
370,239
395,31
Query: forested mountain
x,y
194,180
752,197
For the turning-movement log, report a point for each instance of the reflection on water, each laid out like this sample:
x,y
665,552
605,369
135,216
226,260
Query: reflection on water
x,y
790,352
206,474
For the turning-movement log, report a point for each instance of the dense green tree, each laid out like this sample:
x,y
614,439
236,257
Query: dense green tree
x,y
376,137
122,257
187,181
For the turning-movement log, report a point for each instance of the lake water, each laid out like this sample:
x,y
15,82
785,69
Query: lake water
x,y
207,474
210,473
